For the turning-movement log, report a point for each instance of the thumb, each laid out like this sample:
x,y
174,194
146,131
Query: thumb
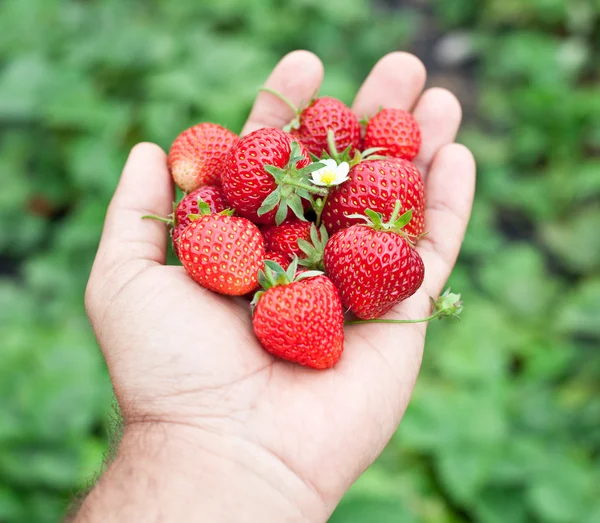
x,y
129,244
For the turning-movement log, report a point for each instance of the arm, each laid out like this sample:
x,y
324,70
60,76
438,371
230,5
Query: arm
x,y
175,473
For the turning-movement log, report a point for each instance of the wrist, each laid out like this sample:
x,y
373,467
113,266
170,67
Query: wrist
x,y
183,473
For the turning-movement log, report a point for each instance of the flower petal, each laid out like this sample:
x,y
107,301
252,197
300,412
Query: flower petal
x,y
343,169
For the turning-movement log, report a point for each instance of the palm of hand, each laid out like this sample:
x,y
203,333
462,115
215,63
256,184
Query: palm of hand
x,y
180,354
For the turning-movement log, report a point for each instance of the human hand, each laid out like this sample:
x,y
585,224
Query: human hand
x,y
211,420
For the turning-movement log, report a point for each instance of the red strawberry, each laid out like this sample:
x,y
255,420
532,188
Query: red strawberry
x,y
261,176
376,185
299,318
281,259
197,155
313,123
284,238
322,115
210,195
396,131
374,266
222,253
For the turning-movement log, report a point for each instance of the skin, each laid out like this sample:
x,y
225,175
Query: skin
x,y
215,428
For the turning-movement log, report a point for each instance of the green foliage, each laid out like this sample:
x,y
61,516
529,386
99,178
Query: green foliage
x,y
504,421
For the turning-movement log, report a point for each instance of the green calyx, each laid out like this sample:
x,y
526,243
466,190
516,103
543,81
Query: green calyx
x,y
293,185
313,250
396,223
274,275
346,155
448,305
204,210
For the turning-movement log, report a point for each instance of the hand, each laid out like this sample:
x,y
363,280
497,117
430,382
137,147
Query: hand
x,y
232,427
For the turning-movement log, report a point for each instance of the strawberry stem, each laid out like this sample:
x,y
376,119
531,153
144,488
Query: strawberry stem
x,y
332,146
447,305
319,207
282,97
158,218
377,320
309,188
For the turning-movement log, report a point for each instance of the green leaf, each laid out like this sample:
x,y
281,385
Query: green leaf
x,y
295,204
308,274
203,207
404,220
305,247
282,212
361,509
576,240
375,217
311,168
277,173
291,270
579,311
270,202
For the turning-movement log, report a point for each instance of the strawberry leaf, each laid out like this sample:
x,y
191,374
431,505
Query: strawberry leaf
x,y
203,207
375,217
308,274
291,270
311,168
403,220
315,248
295,204
282,213
277,173
270,202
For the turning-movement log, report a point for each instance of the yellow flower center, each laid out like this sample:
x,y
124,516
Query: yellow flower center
x,y
328,176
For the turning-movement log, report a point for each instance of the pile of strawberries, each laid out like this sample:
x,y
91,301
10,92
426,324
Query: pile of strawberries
x,y
308,222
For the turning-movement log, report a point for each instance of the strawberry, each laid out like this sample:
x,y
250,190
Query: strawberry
x,y
374,266
299,318
210,195
313,123
264,176
222,253
281,259
284,238
396,132
376,185
197,155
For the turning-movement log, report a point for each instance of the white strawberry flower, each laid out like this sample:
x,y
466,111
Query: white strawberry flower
x,y
331,173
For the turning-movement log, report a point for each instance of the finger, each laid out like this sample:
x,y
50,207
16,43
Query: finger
x,y
145,188
450,189
297,76
396,81
385,359
438,114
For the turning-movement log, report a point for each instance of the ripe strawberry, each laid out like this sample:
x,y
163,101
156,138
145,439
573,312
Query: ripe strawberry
x,y
322,115
299,317
281,259
376,185
284,238
313,123
197,154
374,266
263,176
222,253
191,203
396,132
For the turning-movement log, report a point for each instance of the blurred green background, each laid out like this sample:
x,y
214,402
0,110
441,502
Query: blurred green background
x,y
505,421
